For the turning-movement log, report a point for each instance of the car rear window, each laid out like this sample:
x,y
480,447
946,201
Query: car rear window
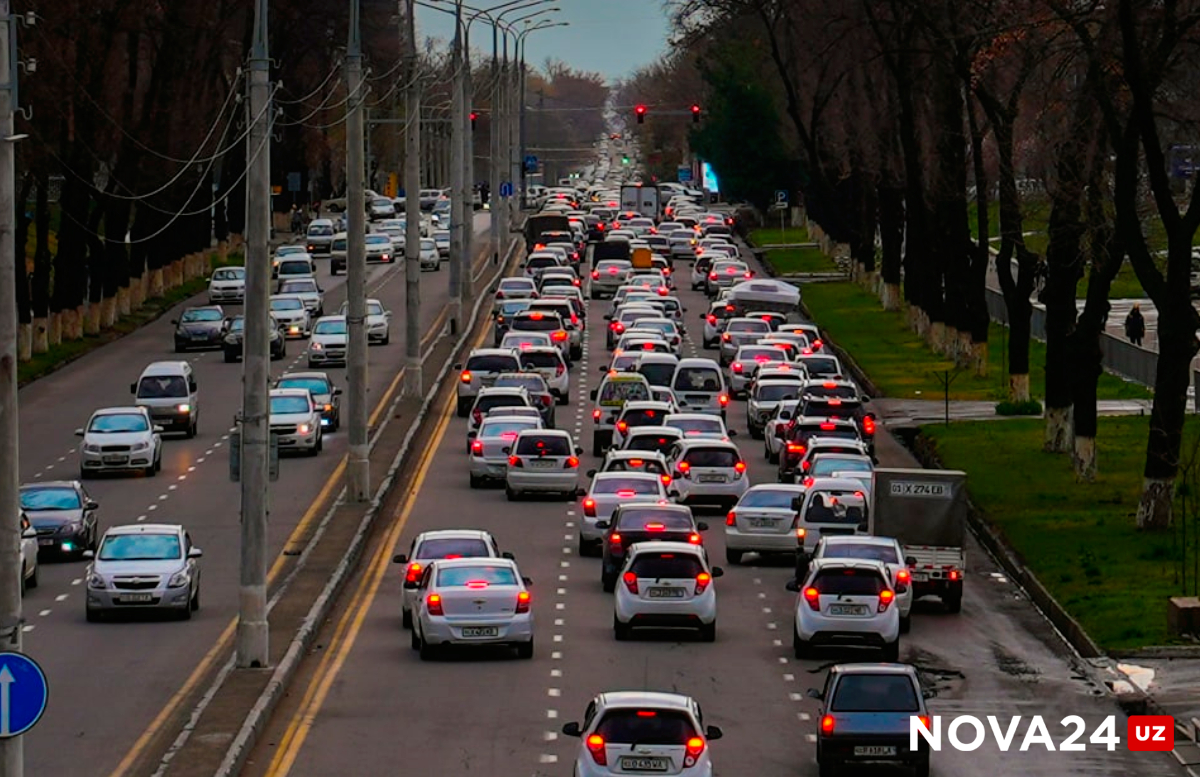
x,y
632,485
697,379
486,403
658,374
749,326
473,576
822,464
821,366
870,551
542,261
646,727
831,407
711,457
535,445
511,429
637,519
768,498
637,465
536,323
624,391
666,565
828,507
534,383
874,693
539,360
775,393
645,417
848,581
832,390
457,547
492,363
659,443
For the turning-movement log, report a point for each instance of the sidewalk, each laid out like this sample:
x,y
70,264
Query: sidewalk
x,y
914,412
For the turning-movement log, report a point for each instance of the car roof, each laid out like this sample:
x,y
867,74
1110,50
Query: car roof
x,y
491,352
666,546
453,534
547,433
858,539
626,454
647,476
645,404
852,563
331,318
646,431
166,368
799,489
699,362
310,375
288,392
145,528
536,348
52,484
695,417
495,391
875,668
692,442
121,410
651,357
835,484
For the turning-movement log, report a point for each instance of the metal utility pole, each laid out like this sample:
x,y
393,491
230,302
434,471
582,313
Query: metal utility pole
x,y
358,465
12,752
413,383
252,631
466,180
457,143
495,125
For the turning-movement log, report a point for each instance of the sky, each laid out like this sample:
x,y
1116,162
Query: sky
x,y
610,37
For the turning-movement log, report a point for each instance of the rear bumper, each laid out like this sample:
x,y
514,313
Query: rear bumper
x,y
841,749
548,482
760,542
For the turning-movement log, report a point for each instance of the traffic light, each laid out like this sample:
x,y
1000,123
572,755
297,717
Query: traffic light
x,y
695,114
475,116
625,159
641,114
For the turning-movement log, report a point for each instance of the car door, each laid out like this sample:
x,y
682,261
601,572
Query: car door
x,y
193,565
90,521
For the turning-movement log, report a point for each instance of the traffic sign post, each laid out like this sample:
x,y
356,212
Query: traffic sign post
x,y
23,694
781,203
781,197
531,163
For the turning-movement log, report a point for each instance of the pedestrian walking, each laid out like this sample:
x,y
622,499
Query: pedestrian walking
x,y
297,220
1135,325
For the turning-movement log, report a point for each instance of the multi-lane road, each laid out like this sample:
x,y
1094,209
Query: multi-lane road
x,y
366,705
110,680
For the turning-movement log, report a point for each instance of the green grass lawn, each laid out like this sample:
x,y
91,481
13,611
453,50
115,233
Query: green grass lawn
x,y
1079,540
902,366
768,235
800,260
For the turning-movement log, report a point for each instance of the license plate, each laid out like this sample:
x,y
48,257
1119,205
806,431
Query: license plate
x,y
480,631
694,399
542,464
664,593
115,459
764,523
711,479
874,750
847,609
920,577
645,764
133,598
46,541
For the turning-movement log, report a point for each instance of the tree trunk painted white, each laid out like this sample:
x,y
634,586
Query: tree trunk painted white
x,y
1018,387
891,296
1085,459
935,335
1154,506
966,351
1058,430
156,284
124,299
54,335
95,317
223,250
24,342
108,310
80,322
980,359
41,331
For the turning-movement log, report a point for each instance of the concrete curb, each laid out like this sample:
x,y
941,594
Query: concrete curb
x,y
256,721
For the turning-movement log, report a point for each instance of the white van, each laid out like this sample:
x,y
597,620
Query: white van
x,y
699,385
169,391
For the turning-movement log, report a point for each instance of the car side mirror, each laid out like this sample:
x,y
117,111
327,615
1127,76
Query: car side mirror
x,y
29,534
528,581
337,392
901,589
702,316
89,554
578,451
91,504
507,450
591,473
593,394
718,572
602,370
603,524
928,693
132,388
796,503
175,321
157,430
673,494
457,367
864,399
608,316
195,553
910,561
572,729
400,558
713,733
731,432
813,693
508,555
793,585
78,432
581,492
701,526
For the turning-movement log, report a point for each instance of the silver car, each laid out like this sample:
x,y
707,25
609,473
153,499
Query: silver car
x,y
739,332
379,321
327,344
607,276
307,289
120,439
146,566
292,315
227,284
488,461
296,420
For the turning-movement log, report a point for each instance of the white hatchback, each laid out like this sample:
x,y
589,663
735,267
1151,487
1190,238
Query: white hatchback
x,y
666,585
474,602
708,471
544,461
846,602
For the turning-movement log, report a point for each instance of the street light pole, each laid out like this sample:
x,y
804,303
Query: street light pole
x,y
252,629
358,465
457,144
413,383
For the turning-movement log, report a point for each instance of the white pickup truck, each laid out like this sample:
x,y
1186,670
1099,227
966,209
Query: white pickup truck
x,y
926,510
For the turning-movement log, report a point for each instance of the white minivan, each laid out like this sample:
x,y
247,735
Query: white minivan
x,y
699,385
168,390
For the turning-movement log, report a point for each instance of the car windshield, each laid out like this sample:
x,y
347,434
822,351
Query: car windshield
x,y
697,426
382,203
117,423
475,577
237,324
768,497
428,245
141,547
711,457
286,304
330,328
848,581
874,693
295,268
525,340
539,445
289,404
452,547
505,429
620,391
644,519
229,274
316,386
162,387
697,379
207,314
50,499
485,403
320,230
775,392
821,366
653,466
632,485
513,308
872,552
666,565
374,309
823,465
829,507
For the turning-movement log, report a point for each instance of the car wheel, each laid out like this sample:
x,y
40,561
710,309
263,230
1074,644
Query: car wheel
x,y
755,432
414,641
525,650
84,474
406,620
891,652
708,632
311,365
621,631
583,548
195,604
953,601
827,768
800,647
150,471
476,481
608,583
192,429
921,767
905,623
597,448
158,463
733,556
427,651
464,408
386,339
93,615
230,357
508,492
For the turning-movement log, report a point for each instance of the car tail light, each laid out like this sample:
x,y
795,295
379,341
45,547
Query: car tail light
x,y
736,367
595,746
656,527
712,276
868,425
684,468
801,532
695,746
622,427
595,415
886,598
559,369
712,320
827,725
612,270
547,400
538,246
477,447
515,461
465,377
615,541
523,599
953,574
572,463
804,465
731,518
617,327
795,448
807,482
903,576
813,597
726,336
434,604
595,274
631,582
828,427
477,584
413,574
749,275
740,468
559,336
817,344
625,493
695,539
723,399
666,480
589,507
499,295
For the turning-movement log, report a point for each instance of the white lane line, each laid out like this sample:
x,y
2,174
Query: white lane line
x,y
225,436
232,429
567,550
77,581
810,737
61,597
570,524
216,445
570,512
62,458
152,507
564,564
207,453
562,592
556,656
550,736
804,716
142,517
567,537
560,606
43,613
172,487
777,642
783,660
27,629
558,638
562,578
199,461
555,692
559,622
766,610
790,678
190,469
772,626
552,714
548,758
161,497
796,696
556,673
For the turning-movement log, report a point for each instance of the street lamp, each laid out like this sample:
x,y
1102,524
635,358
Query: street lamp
x,y
519,53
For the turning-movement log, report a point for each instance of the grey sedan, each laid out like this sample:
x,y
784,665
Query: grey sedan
x,y
145,566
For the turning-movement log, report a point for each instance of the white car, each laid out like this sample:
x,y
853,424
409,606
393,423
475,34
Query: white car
x,y
666,585
548,361
520,341
637,414
773,430
292,315
379,321
327,343
379,248
473,602
708,471
763,521
650,439
714,322
441,239
227,284
846,602
120,439
306,288
28,554
515,288
439,544
635,461
296,420
658,368
430,259
488,461
700,426
746,363
381,208
635,732
545,461
884,549
608,491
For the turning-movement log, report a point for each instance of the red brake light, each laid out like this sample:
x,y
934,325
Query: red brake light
x,y
655,527
813,597
413,574
808,481
695,746
712,276
731,518
465,377
827,427
572,462
595,274
595,745
626,493
647,714
712,319
589,507
953,574
635,462
827,724
595,415
695,539
622,427
903,576
477,417
684,467
631,582
558,336
499,294
740,467
795,448
477,447
515,461
523,600
736,367
666,480
615,539
886,598
612,270
723,399
868,425
829,385
434,604
477,584
726,336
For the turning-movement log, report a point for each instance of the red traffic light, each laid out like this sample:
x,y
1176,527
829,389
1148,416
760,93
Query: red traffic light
x,y
695,113
641,113
474,116
641,109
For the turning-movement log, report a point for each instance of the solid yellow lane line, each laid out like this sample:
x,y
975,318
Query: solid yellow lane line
x,y
350,625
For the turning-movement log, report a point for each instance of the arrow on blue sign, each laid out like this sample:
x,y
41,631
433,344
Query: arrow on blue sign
x,y
531,163
506,189
23,694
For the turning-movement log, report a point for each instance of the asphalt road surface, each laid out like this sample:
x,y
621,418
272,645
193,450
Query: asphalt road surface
x,y
364,704
109,680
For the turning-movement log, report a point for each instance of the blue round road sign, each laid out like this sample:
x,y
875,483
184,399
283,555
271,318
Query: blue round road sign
x,y
23,694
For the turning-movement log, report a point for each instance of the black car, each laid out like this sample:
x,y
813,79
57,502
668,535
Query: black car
x,y
797,433
643,523
866,716
503,317
838,408
232,344
324,393
200,328
64,515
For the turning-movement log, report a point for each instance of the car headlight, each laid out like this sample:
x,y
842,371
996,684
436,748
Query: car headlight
x,y
317,347
303,429
141,446
90,448
231,339
96,582
71,528
179,579
184,408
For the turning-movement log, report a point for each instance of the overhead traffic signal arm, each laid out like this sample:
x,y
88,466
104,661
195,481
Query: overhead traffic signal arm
x,y
640,111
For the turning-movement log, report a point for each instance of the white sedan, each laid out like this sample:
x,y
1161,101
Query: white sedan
x,y
474,602
379,321
120,439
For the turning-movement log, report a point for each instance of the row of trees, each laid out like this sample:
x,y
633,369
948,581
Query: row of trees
x,y
137,152
903,120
